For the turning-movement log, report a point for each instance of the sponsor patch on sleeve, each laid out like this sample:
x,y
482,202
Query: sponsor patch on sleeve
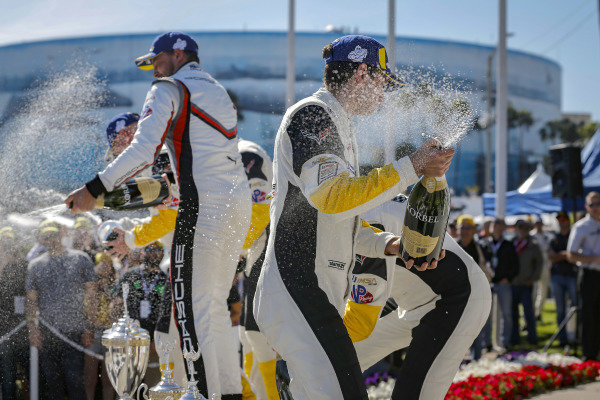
x,y
258,196
327,170
316,136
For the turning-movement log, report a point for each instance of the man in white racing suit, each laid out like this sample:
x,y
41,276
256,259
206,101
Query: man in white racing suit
x,y
191,112
259,358
315,229
437,313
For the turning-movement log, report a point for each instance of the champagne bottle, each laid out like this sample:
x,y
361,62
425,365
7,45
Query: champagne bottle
x,y
425,222
137,193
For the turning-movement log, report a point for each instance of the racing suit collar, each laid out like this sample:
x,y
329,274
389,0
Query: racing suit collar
x,y
190,65
336,107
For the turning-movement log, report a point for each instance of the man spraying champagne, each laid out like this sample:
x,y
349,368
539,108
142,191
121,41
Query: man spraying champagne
x,y
191,112
315,225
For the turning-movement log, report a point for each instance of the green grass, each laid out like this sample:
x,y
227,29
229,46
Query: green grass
x,y
545,328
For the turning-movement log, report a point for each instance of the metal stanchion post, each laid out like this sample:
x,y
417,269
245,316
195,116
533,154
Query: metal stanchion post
x,y
34,371
34,381
563,325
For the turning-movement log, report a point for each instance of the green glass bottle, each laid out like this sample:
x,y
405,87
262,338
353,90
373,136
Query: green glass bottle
x,y
425,222
137,193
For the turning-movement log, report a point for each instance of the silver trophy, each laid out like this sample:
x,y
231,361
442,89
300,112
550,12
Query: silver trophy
x,y
192,392
127,351
167,387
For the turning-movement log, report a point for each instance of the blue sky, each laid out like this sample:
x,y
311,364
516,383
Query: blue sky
x,y
565,31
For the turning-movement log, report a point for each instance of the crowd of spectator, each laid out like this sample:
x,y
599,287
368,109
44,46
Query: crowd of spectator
x,y
528,261
66,280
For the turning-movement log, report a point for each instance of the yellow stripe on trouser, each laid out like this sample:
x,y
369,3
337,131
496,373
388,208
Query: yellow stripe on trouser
x,y
360,320
267,370
342,192
248,360
247,393
258,223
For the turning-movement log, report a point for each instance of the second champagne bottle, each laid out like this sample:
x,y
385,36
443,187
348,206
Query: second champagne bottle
x,y
136,193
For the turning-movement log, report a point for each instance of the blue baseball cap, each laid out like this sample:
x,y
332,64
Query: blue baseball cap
x,y
166,42
116,124
363,49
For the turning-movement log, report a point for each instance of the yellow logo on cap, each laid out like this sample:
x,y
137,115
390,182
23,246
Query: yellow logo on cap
x,y
382,62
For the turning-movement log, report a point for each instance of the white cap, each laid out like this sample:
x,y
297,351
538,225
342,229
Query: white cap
x,y
106,228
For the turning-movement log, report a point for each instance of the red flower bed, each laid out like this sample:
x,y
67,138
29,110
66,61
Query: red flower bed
x,y
528,381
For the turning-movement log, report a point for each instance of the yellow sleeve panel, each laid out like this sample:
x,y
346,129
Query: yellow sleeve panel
x,y
268,370
365,224
360,320
258,223
342,192
159,225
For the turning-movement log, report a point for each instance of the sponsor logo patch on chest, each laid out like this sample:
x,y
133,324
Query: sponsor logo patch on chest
x,y
361,295
367,281
337,265
146,112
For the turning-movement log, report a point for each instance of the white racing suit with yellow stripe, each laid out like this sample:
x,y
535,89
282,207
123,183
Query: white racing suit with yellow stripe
x,y
192,113
259,357
439,312
315,233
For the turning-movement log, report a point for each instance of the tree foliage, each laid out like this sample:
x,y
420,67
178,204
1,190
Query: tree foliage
x,y
567,131
519,118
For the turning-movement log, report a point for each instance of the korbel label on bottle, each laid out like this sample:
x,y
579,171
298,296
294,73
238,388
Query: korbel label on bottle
x,y
425,221
417,244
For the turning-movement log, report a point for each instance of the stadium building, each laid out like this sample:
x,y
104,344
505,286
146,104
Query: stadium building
x,y
252,65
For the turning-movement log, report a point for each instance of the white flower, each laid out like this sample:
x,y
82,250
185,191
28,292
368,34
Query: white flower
x,y
358,54
485,366
383,390
179,44
543,359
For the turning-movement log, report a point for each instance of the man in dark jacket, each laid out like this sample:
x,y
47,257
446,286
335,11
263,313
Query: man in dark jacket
x,y
563,274
466,240
505,264
531,262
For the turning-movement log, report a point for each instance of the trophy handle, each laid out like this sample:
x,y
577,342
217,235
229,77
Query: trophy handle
x,y
143,389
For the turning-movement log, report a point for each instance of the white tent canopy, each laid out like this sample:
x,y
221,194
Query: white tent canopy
x,y
537,180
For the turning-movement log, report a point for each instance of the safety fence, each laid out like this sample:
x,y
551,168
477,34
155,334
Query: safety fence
x,y
34,356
